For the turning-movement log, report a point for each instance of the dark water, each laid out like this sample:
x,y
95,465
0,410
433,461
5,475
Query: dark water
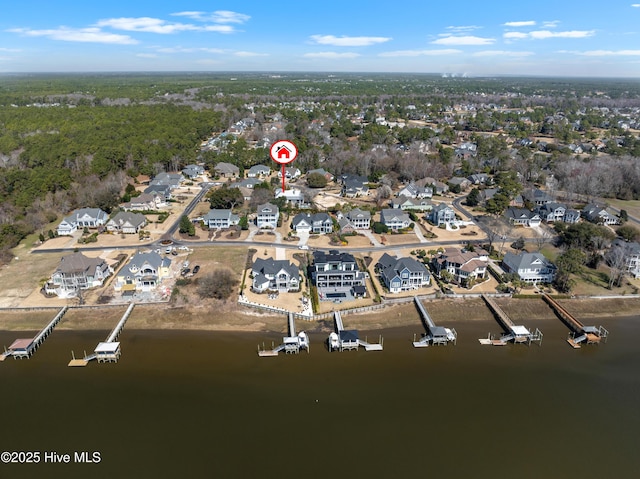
x,y
184,404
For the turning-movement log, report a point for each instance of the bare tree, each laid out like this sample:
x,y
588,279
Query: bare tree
x,y
616,259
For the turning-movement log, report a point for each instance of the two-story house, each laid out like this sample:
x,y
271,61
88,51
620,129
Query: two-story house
x,y
414,191
220,219
143,272
337,276
193,171
267,216
442,214
402,274
318,223
530,267
552,212
75,272
394,219
461,264
360,219
597,213
274,275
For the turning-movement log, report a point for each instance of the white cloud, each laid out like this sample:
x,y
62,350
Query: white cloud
x,y
528,23
9,50
145,24
636,5
502,53
463,29
463,40
551,24
419,53
345,41
190,50
514,35
331,55
545,34
250,54
219,16
87,35
610,53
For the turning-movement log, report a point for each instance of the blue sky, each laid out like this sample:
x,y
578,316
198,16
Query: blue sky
x,y
559,37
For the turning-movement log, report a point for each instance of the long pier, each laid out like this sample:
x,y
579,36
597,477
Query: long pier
x,y
347,339
436,335
292,344
109,349
579,333
25,348
515,333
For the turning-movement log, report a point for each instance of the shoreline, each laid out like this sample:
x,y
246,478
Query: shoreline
x,y
230,317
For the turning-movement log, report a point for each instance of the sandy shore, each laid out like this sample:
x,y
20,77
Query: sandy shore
x,y
231,317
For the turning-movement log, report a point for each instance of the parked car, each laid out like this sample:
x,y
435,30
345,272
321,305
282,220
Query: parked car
x,y
196,268
185,271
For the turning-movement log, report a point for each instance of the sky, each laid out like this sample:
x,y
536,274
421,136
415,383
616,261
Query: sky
x,y
585,38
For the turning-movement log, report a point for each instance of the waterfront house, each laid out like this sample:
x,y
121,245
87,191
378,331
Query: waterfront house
x,y
274,275
442,214
530,267
462,264
337,276
220,219
75,272
127,223
402,274
267,216
143,272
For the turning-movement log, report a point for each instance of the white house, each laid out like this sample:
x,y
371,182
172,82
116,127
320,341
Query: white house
x,y
84,217
293,196
530,267
274,275
267,216
394,219
215,219
144,272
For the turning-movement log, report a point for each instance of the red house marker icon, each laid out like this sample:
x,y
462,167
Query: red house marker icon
x,y
283,152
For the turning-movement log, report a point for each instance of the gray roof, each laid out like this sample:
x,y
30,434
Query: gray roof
x,y
390,266
134,219
516,262
271,267
390,214
218,215
78,263
92,212
152,258
267,208
358,213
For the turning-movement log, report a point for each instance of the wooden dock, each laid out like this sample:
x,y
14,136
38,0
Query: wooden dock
x,y
579,333
109,349
435,335
25,348
513,332
291,344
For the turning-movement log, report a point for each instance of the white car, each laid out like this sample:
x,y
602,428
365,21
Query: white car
x,y
303,246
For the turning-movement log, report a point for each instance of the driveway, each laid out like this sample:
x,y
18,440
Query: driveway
x,y
369,235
